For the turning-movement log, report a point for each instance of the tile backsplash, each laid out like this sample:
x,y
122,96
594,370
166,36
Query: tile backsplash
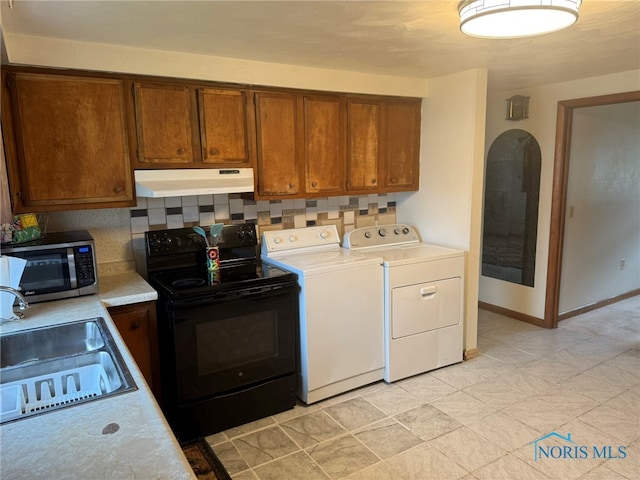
x,y
346,212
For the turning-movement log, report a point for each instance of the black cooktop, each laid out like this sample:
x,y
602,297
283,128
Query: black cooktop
x,y
177,267
189,282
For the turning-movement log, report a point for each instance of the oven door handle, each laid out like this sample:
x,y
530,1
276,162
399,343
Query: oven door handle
x,y
220,297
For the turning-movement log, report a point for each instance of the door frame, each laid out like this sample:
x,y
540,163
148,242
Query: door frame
x,y
564,124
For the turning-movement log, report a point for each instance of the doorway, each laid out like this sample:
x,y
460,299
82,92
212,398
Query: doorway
x,y
564,128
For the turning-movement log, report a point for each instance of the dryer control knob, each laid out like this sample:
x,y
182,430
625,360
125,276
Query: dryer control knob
x,y
367,234
396,231
405,230
382,232
293,238
324,234
277,240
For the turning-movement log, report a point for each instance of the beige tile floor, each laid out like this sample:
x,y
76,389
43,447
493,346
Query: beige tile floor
x,y
474,420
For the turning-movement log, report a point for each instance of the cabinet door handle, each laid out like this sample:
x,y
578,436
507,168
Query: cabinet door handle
x,y
214,151
291,185
392,180
314,184
135,325
118,189
373,181
181,151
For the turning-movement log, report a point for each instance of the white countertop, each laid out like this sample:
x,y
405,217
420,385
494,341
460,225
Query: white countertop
x,y
74,442
125,289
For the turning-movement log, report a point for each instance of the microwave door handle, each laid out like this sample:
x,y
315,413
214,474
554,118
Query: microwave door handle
x,y
71,262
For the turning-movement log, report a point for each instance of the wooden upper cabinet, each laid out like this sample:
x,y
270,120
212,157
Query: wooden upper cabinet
x,y
364,127
402,145
66,142
72,139
182,126
324,140
223,126
277,144
383,144
165,118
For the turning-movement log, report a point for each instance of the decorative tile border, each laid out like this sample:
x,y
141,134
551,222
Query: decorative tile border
x,y
178,212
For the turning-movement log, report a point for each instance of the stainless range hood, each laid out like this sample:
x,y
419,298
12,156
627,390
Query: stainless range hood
x,y
185,182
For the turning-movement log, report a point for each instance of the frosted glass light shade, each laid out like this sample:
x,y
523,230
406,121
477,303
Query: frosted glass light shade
x,y
516,18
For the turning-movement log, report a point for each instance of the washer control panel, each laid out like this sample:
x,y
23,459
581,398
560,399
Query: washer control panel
x,y
380,235
298,238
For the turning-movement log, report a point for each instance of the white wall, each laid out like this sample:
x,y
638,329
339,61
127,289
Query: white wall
x,y
447,210
542,125
49,52
603,200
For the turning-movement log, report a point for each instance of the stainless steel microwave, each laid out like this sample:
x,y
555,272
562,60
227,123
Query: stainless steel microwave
x,y
59,265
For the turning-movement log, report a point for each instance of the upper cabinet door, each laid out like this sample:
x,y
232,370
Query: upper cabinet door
x,y
166,124
69,146
324,140
364,117
223,127
402,145
277,144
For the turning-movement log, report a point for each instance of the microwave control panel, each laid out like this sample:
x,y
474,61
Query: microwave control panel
x,y
85,273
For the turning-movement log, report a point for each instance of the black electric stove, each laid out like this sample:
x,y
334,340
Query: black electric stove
x,y
228,337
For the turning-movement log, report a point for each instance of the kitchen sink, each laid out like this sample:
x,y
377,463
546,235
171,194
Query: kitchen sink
x,y
49,368
58,341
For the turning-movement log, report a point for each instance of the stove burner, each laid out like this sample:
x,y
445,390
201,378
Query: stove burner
x,y
188,282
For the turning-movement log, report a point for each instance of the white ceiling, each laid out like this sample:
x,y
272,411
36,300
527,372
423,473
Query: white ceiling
x,y
407,39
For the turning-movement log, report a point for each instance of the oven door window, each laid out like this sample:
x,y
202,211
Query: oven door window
x,y
45,272
236,341
228,344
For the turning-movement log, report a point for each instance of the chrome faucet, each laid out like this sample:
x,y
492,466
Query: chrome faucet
x,y
22,302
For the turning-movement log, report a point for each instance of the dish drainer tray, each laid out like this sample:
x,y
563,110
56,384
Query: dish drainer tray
x,y
31,395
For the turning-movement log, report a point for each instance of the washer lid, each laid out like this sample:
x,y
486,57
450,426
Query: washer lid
x,y
323,261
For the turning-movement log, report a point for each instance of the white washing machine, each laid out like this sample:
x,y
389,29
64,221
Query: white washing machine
x,y
423,298
341,309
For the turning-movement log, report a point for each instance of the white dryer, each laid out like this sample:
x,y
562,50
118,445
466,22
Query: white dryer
x,y
341,309
423,298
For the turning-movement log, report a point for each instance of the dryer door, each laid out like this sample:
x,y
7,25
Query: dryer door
x,y
425,306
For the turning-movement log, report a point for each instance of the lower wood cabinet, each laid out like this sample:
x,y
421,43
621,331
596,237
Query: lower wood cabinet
x,y
137,325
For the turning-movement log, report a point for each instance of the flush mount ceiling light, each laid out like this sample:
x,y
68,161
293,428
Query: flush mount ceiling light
x,y
516,18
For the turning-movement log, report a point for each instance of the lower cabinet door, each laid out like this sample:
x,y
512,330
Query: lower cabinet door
x,y
137,326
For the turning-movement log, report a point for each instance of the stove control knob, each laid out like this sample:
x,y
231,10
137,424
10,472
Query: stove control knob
x,y
367,234
382,232
405,230
293,238
324,234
